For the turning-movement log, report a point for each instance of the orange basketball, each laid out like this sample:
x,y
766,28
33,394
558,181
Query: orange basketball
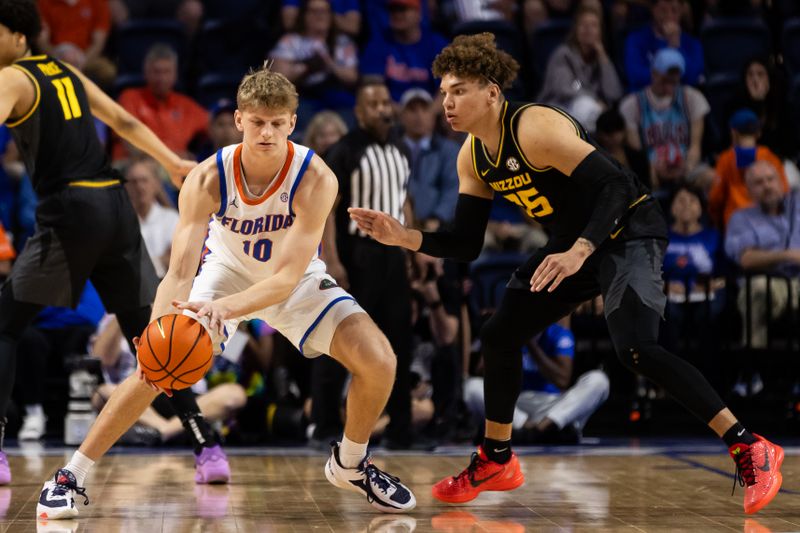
x,y
175,352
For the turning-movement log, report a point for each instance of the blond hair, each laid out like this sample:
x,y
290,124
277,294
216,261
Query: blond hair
x,y
263,87
320,120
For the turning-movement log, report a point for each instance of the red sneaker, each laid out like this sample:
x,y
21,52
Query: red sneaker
x,y
758,470
481,474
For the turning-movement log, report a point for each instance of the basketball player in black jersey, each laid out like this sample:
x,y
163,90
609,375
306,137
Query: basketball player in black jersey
x,y
86,227
607,236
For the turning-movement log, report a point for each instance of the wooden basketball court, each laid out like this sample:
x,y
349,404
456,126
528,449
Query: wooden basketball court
x,y
623,486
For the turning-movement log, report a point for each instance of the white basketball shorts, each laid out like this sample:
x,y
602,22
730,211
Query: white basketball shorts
x,y
308,317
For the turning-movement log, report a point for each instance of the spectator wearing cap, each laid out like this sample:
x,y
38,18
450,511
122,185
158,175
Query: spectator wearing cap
x,y
221,128
175,118
321,61
433,182
729,192
580,76
403,54
666,119
665,32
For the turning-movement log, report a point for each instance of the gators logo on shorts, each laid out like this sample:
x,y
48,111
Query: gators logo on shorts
x,y
326,284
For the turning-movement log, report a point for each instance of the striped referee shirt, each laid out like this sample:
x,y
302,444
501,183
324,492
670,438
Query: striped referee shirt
x,y
371,174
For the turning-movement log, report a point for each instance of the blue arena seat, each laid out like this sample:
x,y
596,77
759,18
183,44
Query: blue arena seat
x,y
729,42
791,46
213,87
230,47
135,37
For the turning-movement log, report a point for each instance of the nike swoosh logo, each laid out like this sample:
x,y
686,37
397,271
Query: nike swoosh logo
x,y
479,482
765,468
614,235
484,172
740,433
500,450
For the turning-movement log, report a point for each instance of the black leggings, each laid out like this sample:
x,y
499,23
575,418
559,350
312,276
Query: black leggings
x,y
634,331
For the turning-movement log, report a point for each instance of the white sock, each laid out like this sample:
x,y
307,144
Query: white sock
x,y
34,410
80,466
351,453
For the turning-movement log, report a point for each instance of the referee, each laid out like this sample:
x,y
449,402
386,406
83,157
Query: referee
x,y
373,172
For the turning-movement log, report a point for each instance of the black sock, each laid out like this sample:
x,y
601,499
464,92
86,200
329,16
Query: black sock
x,y
738,435
200,432
498,451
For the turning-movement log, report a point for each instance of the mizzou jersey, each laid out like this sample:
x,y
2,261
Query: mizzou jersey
x,y
57,136
549,196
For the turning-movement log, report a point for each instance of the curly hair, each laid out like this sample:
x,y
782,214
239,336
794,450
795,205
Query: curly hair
x,y
476,57
264,88
21,16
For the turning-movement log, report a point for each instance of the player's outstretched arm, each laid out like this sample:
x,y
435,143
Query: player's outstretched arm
x,y
311,204
462,242
132,130
198,200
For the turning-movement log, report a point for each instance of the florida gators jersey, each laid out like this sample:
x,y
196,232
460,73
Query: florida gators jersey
x,y
248,232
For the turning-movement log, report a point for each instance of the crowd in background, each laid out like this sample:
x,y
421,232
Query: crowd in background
x,y
710,129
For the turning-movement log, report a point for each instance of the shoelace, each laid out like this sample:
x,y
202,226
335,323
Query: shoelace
x,y
61,489
745,474
474,463
381,478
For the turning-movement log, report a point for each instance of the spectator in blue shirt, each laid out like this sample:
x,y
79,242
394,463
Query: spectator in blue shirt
x,y
433,182
17,198
766,239
549,410
641,46
695,298
403,55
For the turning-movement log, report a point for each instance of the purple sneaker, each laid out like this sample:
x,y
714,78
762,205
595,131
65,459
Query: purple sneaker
x,y
211,466
5,471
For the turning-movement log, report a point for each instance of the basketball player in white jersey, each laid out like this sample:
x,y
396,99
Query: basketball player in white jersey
x,y
252,217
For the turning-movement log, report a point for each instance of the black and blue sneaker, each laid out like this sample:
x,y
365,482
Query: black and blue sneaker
x,y
384,492
57,499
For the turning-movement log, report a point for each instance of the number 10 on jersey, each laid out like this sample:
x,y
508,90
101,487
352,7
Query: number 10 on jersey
x,y
261,250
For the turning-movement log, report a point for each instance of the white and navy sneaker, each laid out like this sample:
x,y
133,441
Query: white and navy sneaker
x,y
384,492
57,500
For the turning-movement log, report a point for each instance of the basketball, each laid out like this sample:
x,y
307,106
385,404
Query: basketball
x,y
175,352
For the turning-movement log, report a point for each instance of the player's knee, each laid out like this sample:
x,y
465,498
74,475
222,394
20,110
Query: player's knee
x,y
372,355
633,355
493,336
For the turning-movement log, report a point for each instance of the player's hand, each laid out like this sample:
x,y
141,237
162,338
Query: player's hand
x,y
216,311
380,226
179,170
557,267
141,375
